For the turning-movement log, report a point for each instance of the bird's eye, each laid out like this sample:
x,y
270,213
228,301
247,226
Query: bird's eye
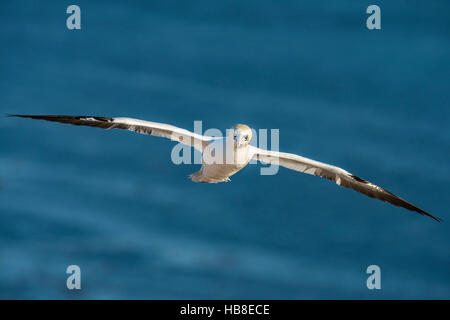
x,y
246,138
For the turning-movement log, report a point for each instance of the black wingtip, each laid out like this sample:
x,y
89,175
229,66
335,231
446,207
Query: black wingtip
x,y
9,115
429,215
436,218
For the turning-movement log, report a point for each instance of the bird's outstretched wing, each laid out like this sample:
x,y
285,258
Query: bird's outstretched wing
x,y
339,176
145,127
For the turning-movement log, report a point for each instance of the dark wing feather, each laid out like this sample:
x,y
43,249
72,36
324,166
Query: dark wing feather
x,y
336,174
145,127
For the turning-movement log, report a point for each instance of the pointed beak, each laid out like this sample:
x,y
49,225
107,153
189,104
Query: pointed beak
x,y
239,141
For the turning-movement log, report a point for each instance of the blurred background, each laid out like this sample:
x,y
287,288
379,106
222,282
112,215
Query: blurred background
x,y
373,102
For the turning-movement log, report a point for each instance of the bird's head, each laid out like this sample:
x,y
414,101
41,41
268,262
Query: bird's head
x,y
241,134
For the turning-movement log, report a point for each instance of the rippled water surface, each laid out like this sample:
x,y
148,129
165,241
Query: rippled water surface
x,y
373,102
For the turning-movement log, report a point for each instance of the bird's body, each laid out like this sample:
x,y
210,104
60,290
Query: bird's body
x,y
214,173
223,157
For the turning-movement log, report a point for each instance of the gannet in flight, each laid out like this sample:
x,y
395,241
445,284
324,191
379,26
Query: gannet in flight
x,y
236,144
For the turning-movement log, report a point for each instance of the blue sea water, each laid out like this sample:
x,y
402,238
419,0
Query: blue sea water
x,y
373,102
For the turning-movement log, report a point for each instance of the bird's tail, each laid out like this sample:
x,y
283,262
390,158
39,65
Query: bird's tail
x,y
198,177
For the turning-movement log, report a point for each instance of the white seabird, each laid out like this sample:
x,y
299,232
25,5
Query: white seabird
x,y
236,144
